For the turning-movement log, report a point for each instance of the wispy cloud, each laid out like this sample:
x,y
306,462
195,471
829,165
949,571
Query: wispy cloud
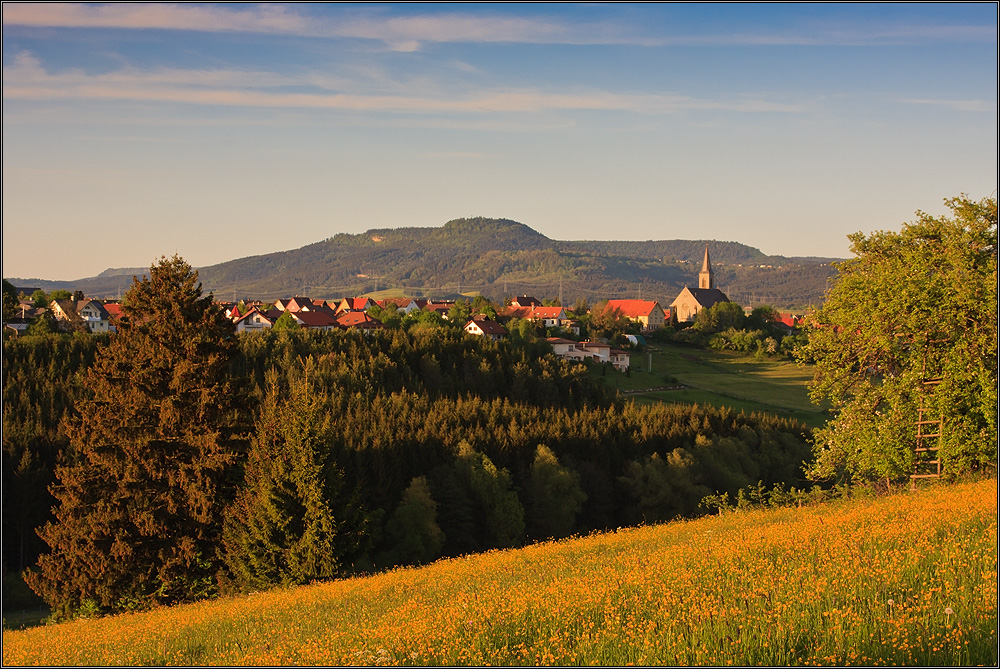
x,y
409,33
957,105
402,33
26,79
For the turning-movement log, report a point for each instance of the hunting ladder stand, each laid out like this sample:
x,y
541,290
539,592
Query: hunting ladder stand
x,y
926,455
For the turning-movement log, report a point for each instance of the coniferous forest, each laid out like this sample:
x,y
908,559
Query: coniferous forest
x,y
176,460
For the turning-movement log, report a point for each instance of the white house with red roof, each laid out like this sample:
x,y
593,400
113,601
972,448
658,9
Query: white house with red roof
x,y
253,320
486,328
315,320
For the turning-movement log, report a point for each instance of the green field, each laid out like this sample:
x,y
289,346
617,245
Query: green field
x,y
903,579
717,378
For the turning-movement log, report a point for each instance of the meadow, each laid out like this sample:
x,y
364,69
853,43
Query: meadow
x,y
720,379
908,578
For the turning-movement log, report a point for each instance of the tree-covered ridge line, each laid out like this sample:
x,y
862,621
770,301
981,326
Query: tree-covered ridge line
x,y
495,257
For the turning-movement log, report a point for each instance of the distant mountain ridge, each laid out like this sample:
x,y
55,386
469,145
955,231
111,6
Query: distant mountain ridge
x,y
496,257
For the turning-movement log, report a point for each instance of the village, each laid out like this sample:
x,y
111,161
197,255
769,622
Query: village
x,y
362,313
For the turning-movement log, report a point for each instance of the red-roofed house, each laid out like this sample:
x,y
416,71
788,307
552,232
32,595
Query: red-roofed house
x,y
440,308
353,304
315,320
358,319
486,328
550,316
647,312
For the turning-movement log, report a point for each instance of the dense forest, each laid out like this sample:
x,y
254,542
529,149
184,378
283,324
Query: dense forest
x,y
498,258
327,453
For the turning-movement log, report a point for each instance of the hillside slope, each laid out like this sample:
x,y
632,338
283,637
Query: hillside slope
x,y
909,578
497,257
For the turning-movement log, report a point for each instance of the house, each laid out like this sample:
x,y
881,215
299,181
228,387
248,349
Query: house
x,y
315,320
353,304
525,301
253,320
486,328
692,300
404,305
620,359
90,312
551,317
567,349
295,304
596,350
648,313
359,320
440,308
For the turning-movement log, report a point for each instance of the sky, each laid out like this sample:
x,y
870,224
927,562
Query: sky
x,y
220,131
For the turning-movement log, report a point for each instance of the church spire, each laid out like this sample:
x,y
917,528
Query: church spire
x,y
706,278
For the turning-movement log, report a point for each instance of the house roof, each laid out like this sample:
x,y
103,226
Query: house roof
x,y
350,319
114,310
706,297
634,308
315,319
548,312
251,312
515,311
525,301
67,308
559,340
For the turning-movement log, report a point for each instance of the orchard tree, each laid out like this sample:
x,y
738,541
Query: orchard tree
x,y
140,487
912,305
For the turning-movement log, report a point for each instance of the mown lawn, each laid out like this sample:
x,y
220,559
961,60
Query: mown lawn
x,y
717,378
903,579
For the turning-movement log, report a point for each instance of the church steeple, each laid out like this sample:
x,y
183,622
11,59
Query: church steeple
x,y
706,278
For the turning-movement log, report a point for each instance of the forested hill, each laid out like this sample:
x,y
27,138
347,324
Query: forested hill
x,y
498,257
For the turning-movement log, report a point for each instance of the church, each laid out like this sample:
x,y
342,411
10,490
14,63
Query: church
x,y
692,300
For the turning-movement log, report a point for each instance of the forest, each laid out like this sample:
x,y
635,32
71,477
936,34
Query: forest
x,y
219,463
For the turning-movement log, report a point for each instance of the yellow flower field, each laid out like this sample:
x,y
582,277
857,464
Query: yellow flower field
x,y
904,579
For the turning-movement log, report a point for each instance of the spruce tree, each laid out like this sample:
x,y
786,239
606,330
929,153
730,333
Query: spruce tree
x,y
139,488
281,530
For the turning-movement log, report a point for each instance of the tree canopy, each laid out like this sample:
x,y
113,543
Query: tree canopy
x,y
911,306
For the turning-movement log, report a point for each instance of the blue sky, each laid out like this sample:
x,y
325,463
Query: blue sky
x,y
219,131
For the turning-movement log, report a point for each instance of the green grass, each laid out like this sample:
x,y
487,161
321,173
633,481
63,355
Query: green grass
x,y
718,378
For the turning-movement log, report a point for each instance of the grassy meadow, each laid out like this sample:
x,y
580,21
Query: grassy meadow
x,y
908,578
720,378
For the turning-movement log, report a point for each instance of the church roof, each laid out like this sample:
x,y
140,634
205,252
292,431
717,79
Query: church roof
x,y
708,297
705,297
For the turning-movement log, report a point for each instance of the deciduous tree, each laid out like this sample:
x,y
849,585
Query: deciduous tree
x,y
912,305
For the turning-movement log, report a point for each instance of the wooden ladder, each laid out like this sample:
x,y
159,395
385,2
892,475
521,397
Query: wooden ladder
x,y
926,460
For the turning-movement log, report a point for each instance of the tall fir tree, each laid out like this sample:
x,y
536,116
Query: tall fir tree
x,y
140,487
281,529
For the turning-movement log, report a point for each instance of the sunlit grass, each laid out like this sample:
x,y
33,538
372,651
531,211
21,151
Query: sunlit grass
x,y
720,379
904,579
